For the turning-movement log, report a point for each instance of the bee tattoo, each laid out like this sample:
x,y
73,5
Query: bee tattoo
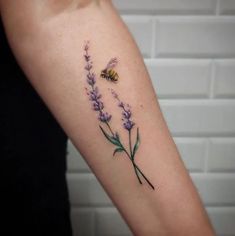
x,y
109,73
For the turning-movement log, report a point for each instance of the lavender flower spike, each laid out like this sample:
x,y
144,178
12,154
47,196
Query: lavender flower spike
x,y
126,114
93,93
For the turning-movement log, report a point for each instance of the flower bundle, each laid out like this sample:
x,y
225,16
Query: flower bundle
x,y
105,118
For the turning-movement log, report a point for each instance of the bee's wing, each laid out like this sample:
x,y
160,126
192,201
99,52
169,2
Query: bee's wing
x,y
112,63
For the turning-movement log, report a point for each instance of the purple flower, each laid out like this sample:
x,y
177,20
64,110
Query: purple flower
x,y
87,57
88,66
126,113
128,124
93,93
104,117
91,79
98,105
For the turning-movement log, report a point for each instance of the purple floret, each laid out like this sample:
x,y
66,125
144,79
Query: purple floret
x,y
128,124
91,79
126,114
104,117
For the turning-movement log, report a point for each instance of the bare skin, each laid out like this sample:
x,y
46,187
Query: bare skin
x,y
47,38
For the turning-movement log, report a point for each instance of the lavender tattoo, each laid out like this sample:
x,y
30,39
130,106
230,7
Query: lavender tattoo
x,y
105,118
93,93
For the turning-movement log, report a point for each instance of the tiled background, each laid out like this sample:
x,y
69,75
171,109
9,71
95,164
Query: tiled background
x,y
189,49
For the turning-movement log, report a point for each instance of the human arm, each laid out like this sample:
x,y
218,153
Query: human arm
x,y
47,38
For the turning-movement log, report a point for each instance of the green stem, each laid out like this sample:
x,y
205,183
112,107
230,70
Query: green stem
x,y
129,155
132,157
109,128
143,176
130,143
133,163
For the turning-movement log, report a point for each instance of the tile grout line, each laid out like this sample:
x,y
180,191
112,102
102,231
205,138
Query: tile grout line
x,y
212,80
207,155
153,46
94,223
217,8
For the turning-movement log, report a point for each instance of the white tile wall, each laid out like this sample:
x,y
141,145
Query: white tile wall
x,y
209,37
187,78
216,189
224,78
76,164
227,7
189,50
222,155
166,6
193,151
142,29
223,219
85,190
83,221
200,117
110,223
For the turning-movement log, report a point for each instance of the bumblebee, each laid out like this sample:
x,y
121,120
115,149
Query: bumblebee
x,y
109,73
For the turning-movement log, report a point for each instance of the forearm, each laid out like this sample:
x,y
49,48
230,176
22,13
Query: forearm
x,y
51,53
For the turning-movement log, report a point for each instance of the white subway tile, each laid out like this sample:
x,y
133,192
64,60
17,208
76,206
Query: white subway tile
x,y
193,152
83,222
227,7
195,37
216,189
84,190
75,162
141,28
223,219
165,6
225,78
222,155
110,223
180,78
199,117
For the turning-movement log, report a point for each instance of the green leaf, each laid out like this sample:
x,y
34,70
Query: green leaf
x,y
117,150
117,136
137,143
110,138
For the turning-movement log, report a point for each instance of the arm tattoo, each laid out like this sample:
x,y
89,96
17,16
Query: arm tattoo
x,y
105,118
